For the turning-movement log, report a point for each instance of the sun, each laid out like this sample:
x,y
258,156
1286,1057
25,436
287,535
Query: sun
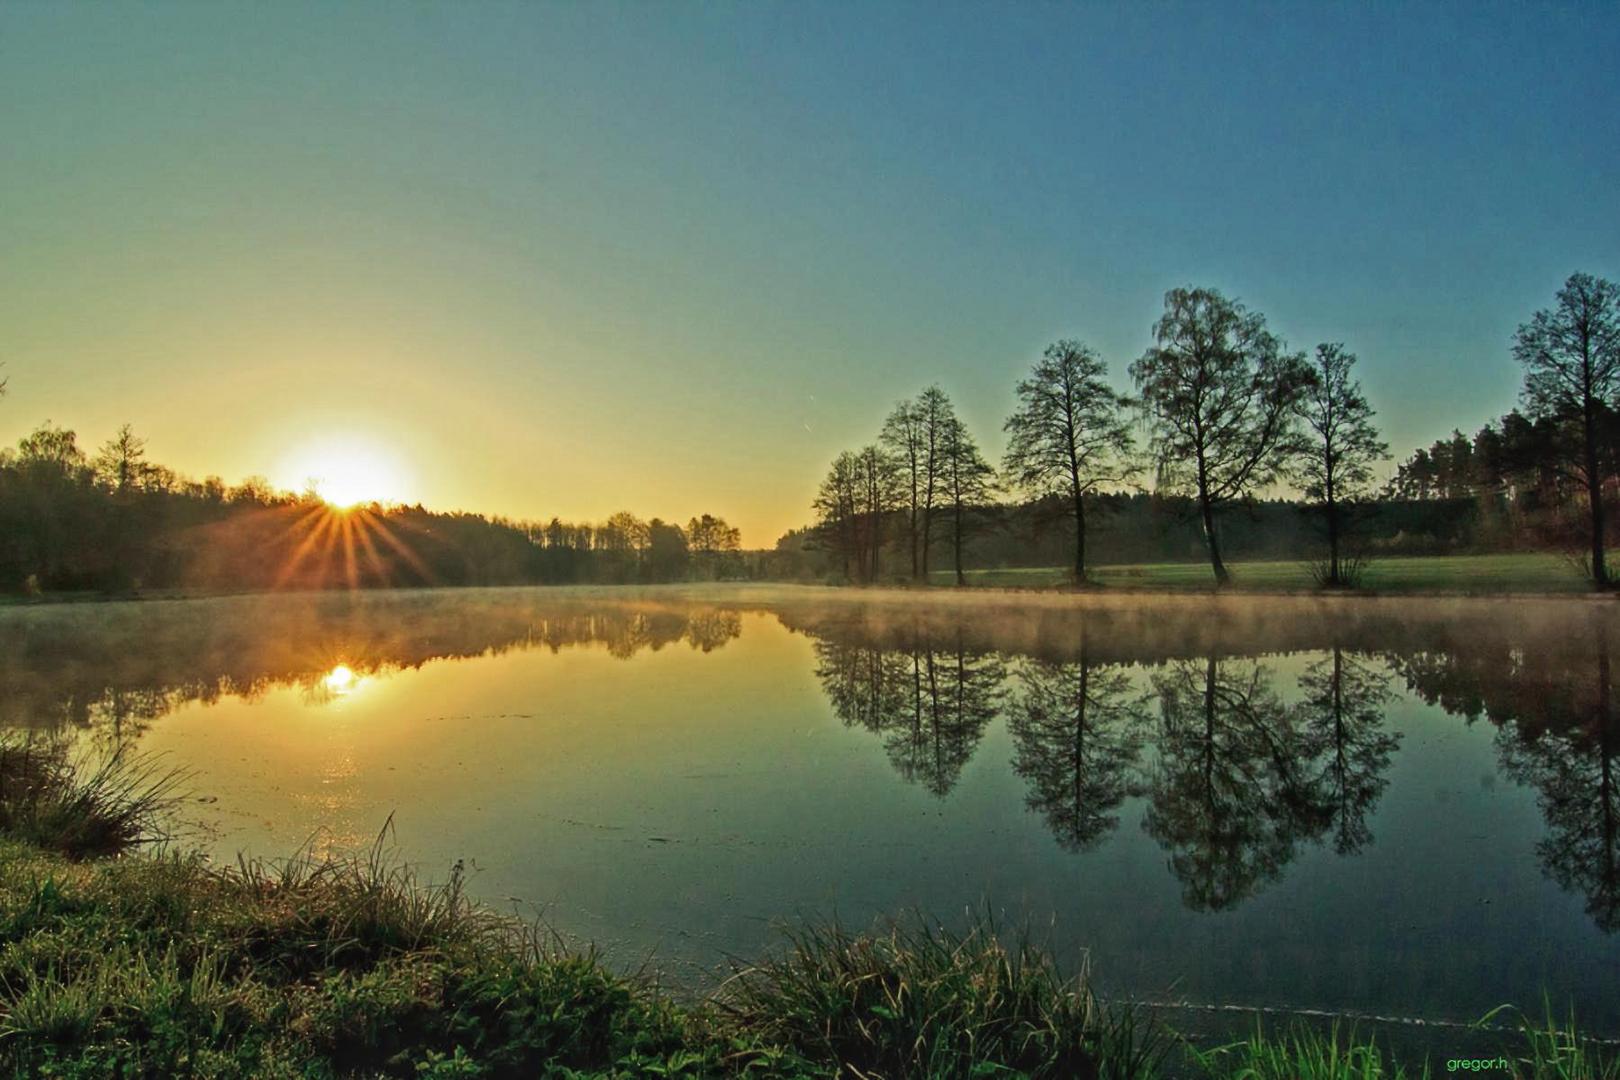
x,y
347,471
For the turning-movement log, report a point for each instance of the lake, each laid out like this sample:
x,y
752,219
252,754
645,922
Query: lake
x,y
1397,808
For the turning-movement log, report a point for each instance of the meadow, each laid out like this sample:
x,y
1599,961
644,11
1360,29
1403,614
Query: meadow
x,y
1523,572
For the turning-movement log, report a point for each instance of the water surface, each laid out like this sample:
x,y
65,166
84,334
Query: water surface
x,y
1391,807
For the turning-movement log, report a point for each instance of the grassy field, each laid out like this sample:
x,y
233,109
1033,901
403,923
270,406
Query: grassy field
x,y
1526,573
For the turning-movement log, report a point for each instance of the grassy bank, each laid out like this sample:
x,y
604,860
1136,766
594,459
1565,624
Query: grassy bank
x,y
157,965
1534,572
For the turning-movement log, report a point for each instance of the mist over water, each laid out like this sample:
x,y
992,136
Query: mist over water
x,y
1400,807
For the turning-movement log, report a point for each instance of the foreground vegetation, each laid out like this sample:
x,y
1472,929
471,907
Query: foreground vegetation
x,y
164,965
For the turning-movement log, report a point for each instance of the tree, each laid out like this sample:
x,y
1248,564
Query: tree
x,y
934,417
837,505
969,481
1220,392
1335,467
1068,436
121,462
906,441
666,551
1571,358
715,545
878,495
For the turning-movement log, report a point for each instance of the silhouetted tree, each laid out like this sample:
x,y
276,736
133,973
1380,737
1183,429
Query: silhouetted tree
x,y
1220,392
879,495
934,417
715,546
121,462
1341,446
1068,436
667,555
838,507
970,484
906,439
1078,732
1571,358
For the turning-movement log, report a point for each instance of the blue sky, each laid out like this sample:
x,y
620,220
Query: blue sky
x,y
580,257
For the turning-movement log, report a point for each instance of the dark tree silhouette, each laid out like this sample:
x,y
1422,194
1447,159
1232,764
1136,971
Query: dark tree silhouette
x,y
1069,435
935,414
1571,358
969,483
1220,392
1341,445
1078,729
906,440
1341,722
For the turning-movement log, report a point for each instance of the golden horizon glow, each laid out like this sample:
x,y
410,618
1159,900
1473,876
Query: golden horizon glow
x,y
345,471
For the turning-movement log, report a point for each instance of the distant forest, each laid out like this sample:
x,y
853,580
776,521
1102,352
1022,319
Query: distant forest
x,y
114,521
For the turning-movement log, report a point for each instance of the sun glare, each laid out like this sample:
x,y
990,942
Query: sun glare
x,y
340,680
347,472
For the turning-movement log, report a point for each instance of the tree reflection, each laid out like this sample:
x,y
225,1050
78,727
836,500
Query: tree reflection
x,y
1341,723
115,668
1228,797
930,702
1572,767
1078,729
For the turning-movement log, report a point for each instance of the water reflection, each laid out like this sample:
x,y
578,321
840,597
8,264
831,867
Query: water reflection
x,y
1346,744
1079,728
1232,735
115,667
930,701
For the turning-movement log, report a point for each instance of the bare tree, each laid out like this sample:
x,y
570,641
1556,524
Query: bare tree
x,y
934,416
903,436
1220,391
1335,467
1571,358
969,483
878,494
1069,435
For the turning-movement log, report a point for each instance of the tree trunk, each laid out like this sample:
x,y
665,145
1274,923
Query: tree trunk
x,y
960,580
927,535
1594,496
1208,511
1079,537
1333,542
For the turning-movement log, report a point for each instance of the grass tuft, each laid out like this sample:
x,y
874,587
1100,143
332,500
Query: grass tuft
x,y
114,804
916,1000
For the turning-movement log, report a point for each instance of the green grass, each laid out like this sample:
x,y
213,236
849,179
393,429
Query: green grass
x,y
1534,572
82,810
161,964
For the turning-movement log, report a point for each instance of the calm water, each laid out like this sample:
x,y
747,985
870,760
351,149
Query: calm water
x,y
1390,807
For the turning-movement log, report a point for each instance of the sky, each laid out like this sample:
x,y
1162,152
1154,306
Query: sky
x,y
573,258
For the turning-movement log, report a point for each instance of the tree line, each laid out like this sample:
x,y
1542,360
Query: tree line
x,y
1223,414
113,520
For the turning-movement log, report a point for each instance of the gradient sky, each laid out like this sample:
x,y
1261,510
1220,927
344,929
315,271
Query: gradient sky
x,y
575,258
